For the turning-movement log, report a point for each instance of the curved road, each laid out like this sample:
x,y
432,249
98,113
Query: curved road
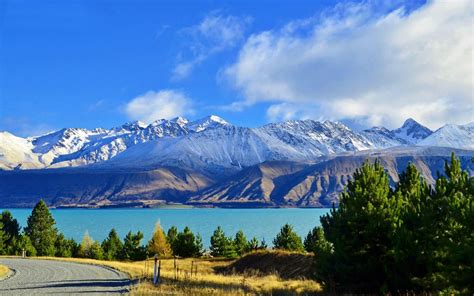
x,y
33,277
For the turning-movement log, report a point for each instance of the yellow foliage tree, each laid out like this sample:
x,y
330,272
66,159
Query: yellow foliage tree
x,y
158,243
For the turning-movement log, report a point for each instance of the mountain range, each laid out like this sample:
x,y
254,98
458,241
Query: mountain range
x,y
212,162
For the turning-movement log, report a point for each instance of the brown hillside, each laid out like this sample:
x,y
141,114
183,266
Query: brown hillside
x,y
285,264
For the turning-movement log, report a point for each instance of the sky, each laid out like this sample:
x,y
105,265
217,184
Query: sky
x,y
102,63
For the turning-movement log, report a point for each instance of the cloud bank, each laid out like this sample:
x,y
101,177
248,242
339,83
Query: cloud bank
x,y
158,105
348,64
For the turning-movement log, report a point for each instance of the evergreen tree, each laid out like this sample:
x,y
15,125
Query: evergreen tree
x,y
132,248
413,238
218,242
263,245
360,232
11,227
24,243
287,239
315,240
96,251
241,243
253,244
187,244
112,246
65,247
41,230
158,243
171,236
3,238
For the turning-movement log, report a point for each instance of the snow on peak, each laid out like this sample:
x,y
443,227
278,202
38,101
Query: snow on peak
x,y
134,125
452,135
181,121
211,121
412,131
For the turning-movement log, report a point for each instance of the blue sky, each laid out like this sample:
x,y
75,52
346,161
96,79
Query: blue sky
x,y
101,63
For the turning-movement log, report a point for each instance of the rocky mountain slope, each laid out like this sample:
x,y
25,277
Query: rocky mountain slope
x,y
212,162
268,184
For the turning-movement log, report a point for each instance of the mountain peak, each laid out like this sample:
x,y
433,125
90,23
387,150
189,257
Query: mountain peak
x,y
412,131
181,121
134,125
210,121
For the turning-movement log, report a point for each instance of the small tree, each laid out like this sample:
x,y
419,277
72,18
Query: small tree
x,y
86,246
96,251
65,247
171,237
218,242
11,227
24,243
187,244
287,239
112,246
41,230
132,248
3,246
241,244
253,244
158,244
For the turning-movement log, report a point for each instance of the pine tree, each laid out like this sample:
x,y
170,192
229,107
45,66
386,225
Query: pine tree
x,y
11,228
241,243
41,230
65,247
315,241
112,246
187,244
287,239
171,236
96,251
3,246
159,244
132,248
218,242
360,232
253,244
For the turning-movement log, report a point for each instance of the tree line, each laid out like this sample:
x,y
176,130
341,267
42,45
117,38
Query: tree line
x,y
40,237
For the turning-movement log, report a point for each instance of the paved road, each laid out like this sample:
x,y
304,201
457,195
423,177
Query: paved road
x,y
33,277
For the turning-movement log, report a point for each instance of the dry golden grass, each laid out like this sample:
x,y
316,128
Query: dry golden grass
x,y
3,271
206,281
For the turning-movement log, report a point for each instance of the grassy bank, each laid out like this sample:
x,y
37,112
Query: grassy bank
x,y
207,280
3,271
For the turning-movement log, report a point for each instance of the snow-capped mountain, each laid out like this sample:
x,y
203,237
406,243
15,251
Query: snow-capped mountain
x,y
412,132
212,142
451,135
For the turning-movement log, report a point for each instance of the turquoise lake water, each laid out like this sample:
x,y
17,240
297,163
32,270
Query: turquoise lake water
x,y
261,223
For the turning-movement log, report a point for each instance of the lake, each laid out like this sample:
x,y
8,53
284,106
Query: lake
x,y
261,223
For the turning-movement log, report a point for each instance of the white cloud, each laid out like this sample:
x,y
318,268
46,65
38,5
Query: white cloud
x,y
350,64
215,33
158,105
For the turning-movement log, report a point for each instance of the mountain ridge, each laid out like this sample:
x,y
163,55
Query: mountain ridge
x,y
212,142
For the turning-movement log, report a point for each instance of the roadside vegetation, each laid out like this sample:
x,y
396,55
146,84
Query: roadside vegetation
x,y
407,237
3,271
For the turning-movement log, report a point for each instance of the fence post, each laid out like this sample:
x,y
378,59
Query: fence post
x,y
155,270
